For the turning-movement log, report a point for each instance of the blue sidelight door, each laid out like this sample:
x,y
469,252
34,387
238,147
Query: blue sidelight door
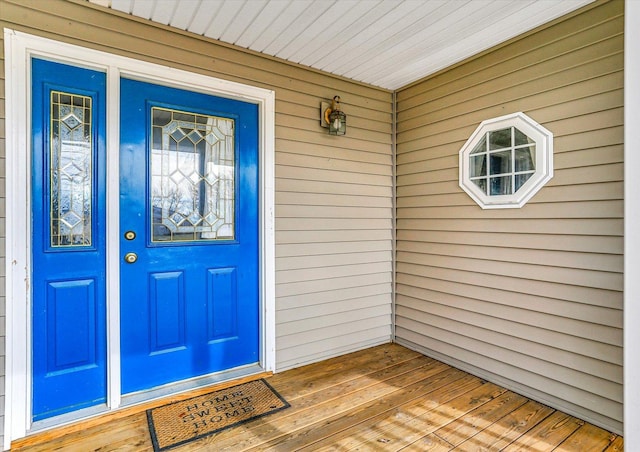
x,y
68,239
189,303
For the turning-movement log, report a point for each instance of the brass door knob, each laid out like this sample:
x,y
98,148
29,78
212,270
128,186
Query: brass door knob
x,y
130,258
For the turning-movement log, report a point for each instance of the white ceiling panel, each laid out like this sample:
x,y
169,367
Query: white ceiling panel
x,y
329,24
225,17
386,43
143,9
263,22
187,12
244,21
163,12
289,13
297,21
370,39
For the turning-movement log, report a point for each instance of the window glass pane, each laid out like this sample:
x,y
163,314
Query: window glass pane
x,y
478,165
482,183
520,138
480,147
500,185
500,162
70,170
521,179
161,117
192,176
525,159
499,139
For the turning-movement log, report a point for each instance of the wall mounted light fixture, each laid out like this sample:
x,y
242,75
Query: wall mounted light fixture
x,y
332,117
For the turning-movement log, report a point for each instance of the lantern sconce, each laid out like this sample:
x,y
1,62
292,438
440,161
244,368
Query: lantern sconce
x,y
332,117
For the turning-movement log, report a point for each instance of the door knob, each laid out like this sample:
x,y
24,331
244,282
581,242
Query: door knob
x,y
130,258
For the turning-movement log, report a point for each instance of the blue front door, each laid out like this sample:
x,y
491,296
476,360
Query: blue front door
x,y
189,299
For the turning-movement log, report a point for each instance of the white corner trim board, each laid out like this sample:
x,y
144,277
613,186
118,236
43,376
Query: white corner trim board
x,y
631,226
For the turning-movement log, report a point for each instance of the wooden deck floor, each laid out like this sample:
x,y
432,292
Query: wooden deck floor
x,y
386,398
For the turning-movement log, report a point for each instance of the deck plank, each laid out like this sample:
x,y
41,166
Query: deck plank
x,y
482,417
420,426
132,432
547,435
298,429
386,398
587,438
431,443
316,407
400,428
315,377
507,429
359,427
617,445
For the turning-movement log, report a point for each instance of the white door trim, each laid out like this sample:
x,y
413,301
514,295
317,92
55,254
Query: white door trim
x,y
19,49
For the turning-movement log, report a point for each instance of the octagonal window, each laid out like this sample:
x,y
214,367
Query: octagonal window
x,y
506,161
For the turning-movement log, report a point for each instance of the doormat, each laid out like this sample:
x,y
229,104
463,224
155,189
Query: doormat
x,y
181,422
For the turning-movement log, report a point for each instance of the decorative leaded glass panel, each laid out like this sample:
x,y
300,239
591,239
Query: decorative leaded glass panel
x,y
70,170
192,176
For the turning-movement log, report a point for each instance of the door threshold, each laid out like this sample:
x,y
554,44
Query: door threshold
x,y
67,418
49,429
190,384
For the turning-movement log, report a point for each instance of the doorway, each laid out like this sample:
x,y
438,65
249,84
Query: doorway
x,y
216,194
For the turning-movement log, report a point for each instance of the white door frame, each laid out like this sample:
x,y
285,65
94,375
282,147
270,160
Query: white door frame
x,y
19,49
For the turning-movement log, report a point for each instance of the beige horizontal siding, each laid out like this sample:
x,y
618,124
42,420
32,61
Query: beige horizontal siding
x,y
357,289
605,262
595,226
555,363
333,194
511,283
575,243
531,297
519,299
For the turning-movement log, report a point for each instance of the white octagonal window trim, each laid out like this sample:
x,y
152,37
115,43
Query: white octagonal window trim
x,y
506,161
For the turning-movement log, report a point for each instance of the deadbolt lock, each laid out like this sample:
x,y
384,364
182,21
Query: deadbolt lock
x,y
129,235
130,258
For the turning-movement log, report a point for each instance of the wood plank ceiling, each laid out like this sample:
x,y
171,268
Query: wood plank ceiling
x,y
386,43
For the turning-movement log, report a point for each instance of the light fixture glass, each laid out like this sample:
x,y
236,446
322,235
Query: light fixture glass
x,y
337,123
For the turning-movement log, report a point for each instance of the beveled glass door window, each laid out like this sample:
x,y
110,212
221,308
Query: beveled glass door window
x,y
192,176
70,170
